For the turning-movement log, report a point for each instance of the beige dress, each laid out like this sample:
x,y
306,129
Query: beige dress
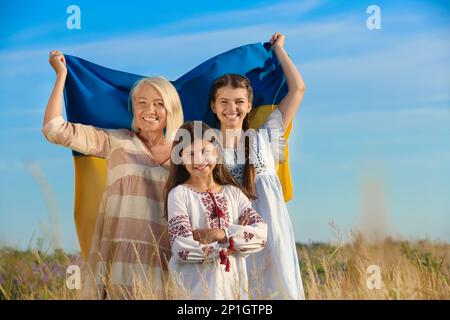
x,y
130,249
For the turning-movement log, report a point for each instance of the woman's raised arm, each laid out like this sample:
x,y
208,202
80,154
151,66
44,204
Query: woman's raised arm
x,y
54,105
85,139
296,87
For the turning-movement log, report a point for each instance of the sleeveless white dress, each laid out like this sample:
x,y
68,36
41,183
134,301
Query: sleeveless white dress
x,y
274,273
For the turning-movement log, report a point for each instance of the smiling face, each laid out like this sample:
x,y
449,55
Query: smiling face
x,y
149,111
199,158
231,105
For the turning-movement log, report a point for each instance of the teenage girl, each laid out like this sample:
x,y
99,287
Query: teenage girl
x,y
273,273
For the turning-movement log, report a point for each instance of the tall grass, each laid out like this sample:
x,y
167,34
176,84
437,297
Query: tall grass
x,y
409,270
35,274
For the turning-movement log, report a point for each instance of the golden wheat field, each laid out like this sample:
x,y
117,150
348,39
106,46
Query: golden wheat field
x,y
407,269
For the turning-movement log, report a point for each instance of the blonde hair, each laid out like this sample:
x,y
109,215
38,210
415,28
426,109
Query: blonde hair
x,y
172,103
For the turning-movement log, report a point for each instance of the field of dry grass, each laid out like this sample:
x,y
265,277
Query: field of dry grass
x,y
418,270
408,270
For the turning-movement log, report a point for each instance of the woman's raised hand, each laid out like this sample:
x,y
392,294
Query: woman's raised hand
x,y
58,62
277,40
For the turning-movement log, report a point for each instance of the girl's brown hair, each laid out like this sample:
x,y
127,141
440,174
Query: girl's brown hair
x,y
178,173
236,81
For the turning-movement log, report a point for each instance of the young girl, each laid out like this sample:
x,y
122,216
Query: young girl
x,y
212,225
231,100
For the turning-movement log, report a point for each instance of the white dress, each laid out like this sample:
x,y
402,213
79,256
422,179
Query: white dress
x,y
202,271
275,272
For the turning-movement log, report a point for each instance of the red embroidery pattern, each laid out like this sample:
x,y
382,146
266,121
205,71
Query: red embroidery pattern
x,y
251,216
183,254
207,251
179,226
248,236
209,206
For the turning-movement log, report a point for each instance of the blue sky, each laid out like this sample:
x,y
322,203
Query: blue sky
x,y
372,136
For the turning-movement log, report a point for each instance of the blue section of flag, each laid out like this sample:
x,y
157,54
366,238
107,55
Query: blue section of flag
x,y
98,96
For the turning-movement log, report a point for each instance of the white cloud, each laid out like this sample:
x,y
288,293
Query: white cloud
x,y
21,112
284,11
405,117
31,33
13,164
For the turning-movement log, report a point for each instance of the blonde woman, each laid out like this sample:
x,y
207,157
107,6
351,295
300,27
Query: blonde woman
x,y
130,248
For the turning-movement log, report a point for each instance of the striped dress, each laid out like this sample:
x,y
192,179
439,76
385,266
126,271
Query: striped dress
x,y
130,248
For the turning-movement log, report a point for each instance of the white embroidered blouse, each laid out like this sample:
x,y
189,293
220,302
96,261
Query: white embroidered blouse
x,y
203,271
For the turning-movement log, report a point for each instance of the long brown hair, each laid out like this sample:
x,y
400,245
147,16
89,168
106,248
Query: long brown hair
x,y
178,173
236,81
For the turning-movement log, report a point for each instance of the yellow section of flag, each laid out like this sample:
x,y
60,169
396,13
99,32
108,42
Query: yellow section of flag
x,y
90,182
257,118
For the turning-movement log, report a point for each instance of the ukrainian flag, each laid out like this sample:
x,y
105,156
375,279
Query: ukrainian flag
x,y
98,96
